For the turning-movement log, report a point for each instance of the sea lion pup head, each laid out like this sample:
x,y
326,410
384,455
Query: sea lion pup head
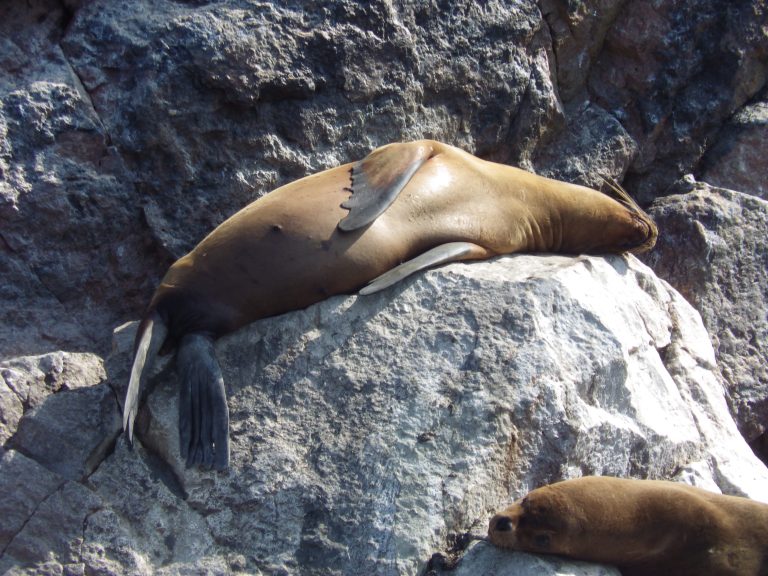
x,y
540,523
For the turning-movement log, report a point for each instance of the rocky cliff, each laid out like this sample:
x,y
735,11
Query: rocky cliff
x,y
372,435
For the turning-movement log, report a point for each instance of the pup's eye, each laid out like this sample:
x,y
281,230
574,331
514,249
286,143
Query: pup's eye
x,y
504,524
541,540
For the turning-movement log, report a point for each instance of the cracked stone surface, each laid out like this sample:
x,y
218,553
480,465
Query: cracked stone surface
x,y
369,431
15,475
715,251
363,442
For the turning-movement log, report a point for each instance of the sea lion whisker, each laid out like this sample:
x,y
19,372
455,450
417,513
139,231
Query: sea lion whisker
x,y
623,197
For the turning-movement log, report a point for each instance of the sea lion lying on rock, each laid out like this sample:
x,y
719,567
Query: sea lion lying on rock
x,y
362,226
645,527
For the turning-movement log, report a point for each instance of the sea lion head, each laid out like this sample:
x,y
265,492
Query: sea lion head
x,y
536,523
605,226
636,234
635,231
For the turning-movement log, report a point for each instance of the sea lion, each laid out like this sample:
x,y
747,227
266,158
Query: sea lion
x,y
368,224
645,527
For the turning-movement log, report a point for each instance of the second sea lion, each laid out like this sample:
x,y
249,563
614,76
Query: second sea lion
x,y
645,527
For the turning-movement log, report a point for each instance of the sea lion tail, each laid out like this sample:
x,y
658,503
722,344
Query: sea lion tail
x,y
150,336
618,193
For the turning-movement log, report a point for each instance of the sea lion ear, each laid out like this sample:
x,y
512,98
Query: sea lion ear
x,y
378,178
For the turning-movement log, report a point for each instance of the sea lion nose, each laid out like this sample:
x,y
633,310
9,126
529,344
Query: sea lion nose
x,y
503,524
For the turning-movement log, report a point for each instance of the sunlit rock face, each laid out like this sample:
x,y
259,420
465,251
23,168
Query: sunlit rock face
x,y
370,435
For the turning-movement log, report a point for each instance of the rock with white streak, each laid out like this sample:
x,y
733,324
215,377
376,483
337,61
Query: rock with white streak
x,y
368,431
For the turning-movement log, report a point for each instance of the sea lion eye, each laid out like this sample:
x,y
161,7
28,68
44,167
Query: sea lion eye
x,y
541,540
504,524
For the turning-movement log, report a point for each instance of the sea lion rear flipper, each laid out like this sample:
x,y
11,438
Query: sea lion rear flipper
x,y
203,412
450,252
378,178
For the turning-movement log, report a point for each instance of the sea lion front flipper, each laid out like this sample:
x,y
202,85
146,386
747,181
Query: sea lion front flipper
x,y
450,252
378,178
203,412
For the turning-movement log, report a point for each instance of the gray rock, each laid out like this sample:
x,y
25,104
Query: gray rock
x,y
483,558
368,434
672,73
25,485
578,31
143,526
61,425
11,411
366,431
71,239
34,378
71,432
594,146
58,411
714,250
737,160
53,534
26,382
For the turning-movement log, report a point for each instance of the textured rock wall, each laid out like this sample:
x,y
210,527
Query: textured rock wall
x,y
129,130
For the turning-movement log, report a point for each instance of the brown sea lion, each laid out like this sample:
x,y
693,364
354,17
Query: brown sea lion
x,y
367,225
645,527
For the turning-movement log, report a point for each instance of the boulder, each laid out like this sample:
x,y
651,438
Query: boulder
x,y
370,432
737,160
714,250
27,381
484,558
